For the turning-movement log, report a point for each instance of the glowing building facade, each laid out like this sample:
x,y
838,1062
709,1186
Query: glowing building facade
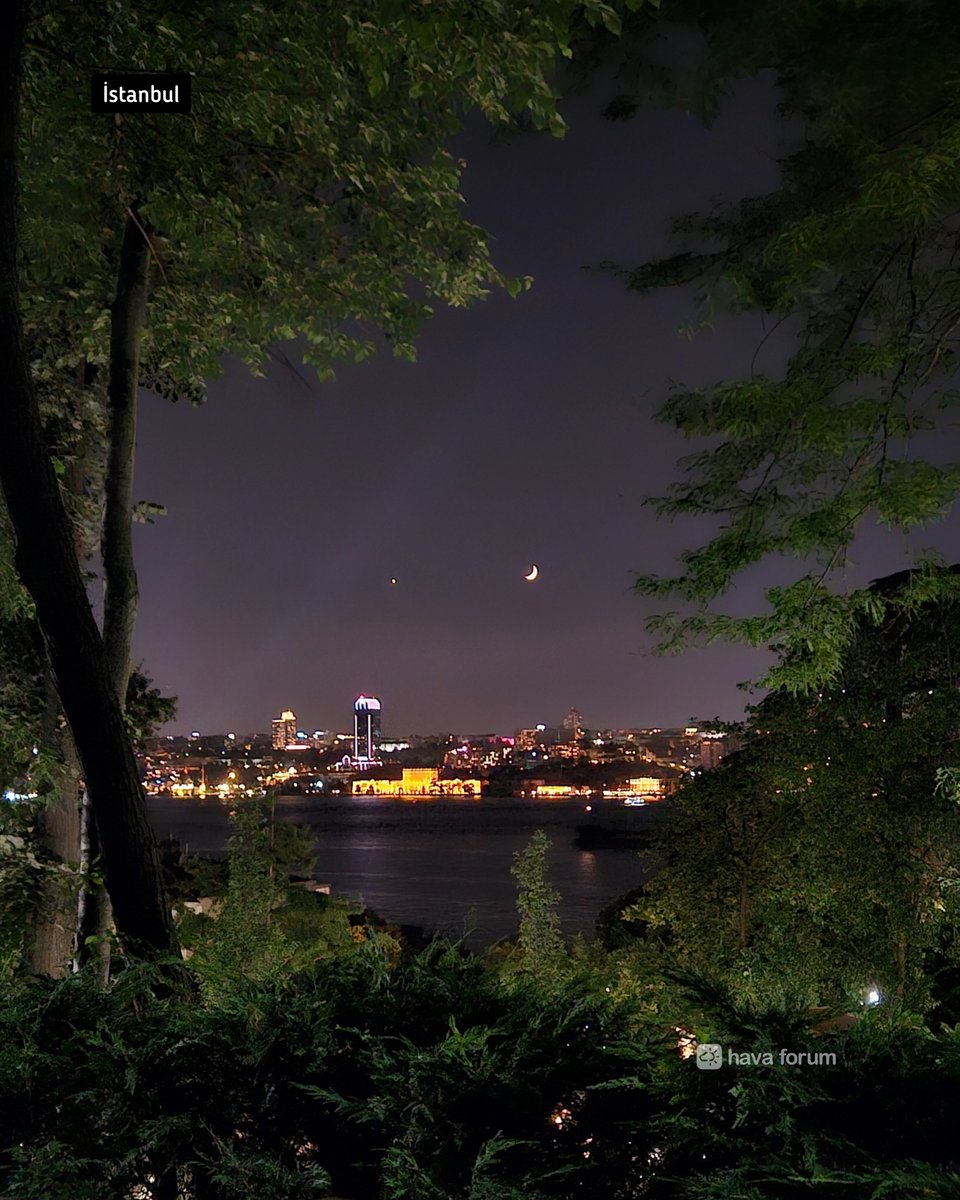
x,y
556,791
416,781
647,787
284,729
366,728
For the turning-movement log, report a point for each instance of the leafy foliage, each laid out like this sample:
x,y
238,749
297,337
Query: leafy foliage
x,y
434,1077
836,1127
20,880
33,772
856,254
307,195
21,699
427,1078
824,857
146,710
540,941
265,927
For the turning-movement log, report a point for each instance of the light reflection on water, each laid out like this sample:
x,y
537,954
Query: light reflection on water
x,y
443,864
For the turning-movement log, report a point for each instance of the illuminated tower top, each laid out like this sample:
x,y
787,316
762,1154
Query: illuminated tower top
x,y
366,728
284,729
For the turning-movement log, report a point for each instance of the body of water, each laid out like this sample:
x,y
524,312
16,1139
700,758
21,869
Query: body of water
x,y
440,863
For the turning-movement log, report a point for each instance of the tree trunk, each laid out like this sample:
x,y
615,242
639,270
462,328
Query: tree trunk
x,y
57,943
86,908
51,947
47,564
120,576
116,542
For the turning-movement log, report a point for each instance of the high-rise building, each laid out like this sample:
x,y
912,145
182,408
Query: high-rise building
x,y
366,728
573,724
284,729
714,748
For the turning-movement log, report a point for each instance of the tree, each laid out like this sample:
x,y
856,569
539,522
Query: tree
x,y
310,189
856,255
73,429
539,940
47,565
267,927
146,709
824,857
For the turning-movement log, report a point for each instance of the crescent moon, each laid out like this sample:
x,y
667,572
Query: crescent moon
x,y
534,572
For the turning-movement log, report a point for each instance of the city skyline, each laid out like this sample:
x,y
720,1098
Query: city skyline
x,y
289,721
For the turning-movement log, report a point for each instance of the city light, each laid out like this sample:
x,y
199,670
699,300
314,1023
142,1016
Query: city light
x,y
290,759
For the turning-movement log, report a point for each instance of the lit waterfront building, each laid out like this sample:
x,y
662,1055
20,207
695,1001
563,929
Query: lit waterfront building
x,y
284,729
648,787
540,790
366,728
415,781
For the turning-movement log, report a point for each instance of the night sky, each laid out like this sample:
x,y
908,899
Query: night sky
x,y
522,435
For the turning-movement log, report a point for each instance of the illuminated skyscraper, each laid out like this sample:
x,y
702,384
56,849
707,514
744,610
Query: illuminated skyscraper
x,y
284,729
366,727
573,725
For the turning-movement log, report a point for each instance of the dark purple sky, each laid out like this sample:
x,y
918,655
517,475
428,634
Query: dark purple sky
x,y
522,435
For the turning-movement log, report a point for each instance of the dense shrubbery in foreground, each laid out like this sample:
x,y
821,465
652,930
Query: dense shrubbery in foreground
x,y
433,1076
320,1057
